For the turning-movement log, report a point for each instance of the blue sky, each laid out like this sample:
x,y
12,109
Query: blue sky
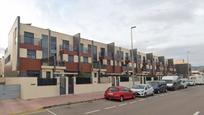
x,y
165,27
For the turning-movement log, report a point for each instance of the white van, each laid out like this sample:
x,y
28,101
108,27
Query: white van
x,y
173,82
199,79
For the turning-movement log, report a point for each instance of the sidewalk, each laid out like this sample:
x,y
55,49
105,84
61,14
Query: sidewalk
x,y
18,105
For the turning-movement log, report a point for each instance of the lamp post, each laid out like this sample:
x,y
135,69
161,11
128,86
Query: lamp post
x,y
188,52
132,61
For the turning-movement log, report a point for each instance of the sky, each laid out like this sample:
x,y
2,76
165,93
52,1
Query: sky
x,y
164,27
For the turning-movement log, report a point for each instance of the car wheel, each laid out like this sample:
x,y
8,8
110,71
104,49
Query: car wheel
x,y
145,94
121,98
152,93
133,96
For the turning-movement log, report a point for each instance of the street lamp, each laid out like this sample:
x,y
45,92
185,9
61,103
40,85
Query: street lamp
x,y
188,52
133,80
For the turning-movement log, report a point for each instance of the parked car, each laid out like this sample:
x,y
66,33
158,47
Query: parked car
x,y
158,86
173,82
118,93
184,82
199,79
191,82
142,90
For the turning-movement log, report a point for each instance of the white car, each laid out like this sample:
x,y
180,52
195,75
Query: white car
x,y
191,82
184,83
142,90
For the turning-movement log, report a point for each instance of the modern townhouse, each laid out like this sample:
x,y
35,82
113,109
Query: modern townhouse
x,y
43,57
183,68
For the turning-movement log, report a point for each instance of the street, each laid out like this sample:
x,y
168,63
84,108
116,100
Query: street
x,y
188,101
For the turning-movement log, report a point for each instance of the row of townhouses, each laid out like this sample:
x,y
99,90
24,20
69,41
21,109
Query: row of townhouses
x,y
46,54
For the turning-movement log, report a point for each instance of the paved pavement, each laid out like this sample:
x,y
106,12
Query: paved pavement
x,y
14,106
188,101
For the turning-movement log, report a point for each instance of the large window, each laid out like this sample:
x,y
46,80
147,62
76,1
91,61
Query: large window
x,y
65,44
53,46
85,59
89,49
81,48
44,45
31,54
102,51
70,58
94,54
28,38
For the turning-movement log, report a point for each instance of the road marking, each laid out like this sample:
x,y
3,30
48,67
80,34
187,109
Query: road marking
x,y
197,113
133,102
94,111
51,112
110,107
142,100
122,104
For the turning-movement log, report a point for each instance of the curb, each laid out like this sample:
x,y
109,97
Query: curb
x,y
57,105
69,103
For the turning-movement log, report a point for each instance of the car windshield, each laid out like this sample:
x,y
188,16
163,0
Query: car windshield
x,y
168,81
113,89
153,83
138,87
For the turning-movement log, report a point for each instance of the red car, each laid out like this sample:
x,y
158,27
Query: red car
x,y
118,93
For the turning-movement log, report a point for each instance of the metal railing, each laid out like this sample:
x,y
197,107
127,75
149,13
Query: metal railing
x,y
46,81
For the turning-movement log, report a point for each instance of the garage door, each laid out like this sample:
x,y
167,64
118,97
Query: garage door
x,y
9,91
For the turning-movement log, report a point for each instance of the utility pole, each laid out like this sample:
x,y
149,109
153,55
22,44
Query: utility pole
x,y
188,52
132,61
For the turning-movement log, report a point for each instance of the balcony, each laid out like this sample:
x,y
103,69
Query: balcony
x,y
85,52
67,49
98,66
52,65
105,55
33,46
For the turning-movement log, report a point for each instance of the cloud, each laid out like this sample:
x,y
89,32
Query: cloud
x,y
162,25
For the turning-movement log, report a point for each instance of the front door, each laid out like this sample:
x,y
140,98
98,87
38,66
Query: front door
x,y
71,85
117,81
62,85
113,81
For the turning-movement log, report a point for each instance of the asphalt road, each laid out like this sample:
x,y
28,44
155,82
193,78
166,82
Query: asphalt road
x,y
188,101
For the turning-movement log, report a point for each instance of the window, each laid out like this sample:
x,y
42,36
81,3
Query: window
x,y
7,59
33,73
31,54
28,38
65,44
95,74
81,48
85,59
70,58
48,74
108,62
102,51
53,46
89,49
44,45
125,89
94,54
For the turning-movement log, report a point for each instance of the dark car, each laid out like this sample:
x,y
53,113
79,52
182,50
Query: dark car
x,y
158,86
118,93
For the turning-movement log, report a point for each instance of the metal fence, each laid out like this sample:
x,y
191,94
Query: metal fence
x,y
47,81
